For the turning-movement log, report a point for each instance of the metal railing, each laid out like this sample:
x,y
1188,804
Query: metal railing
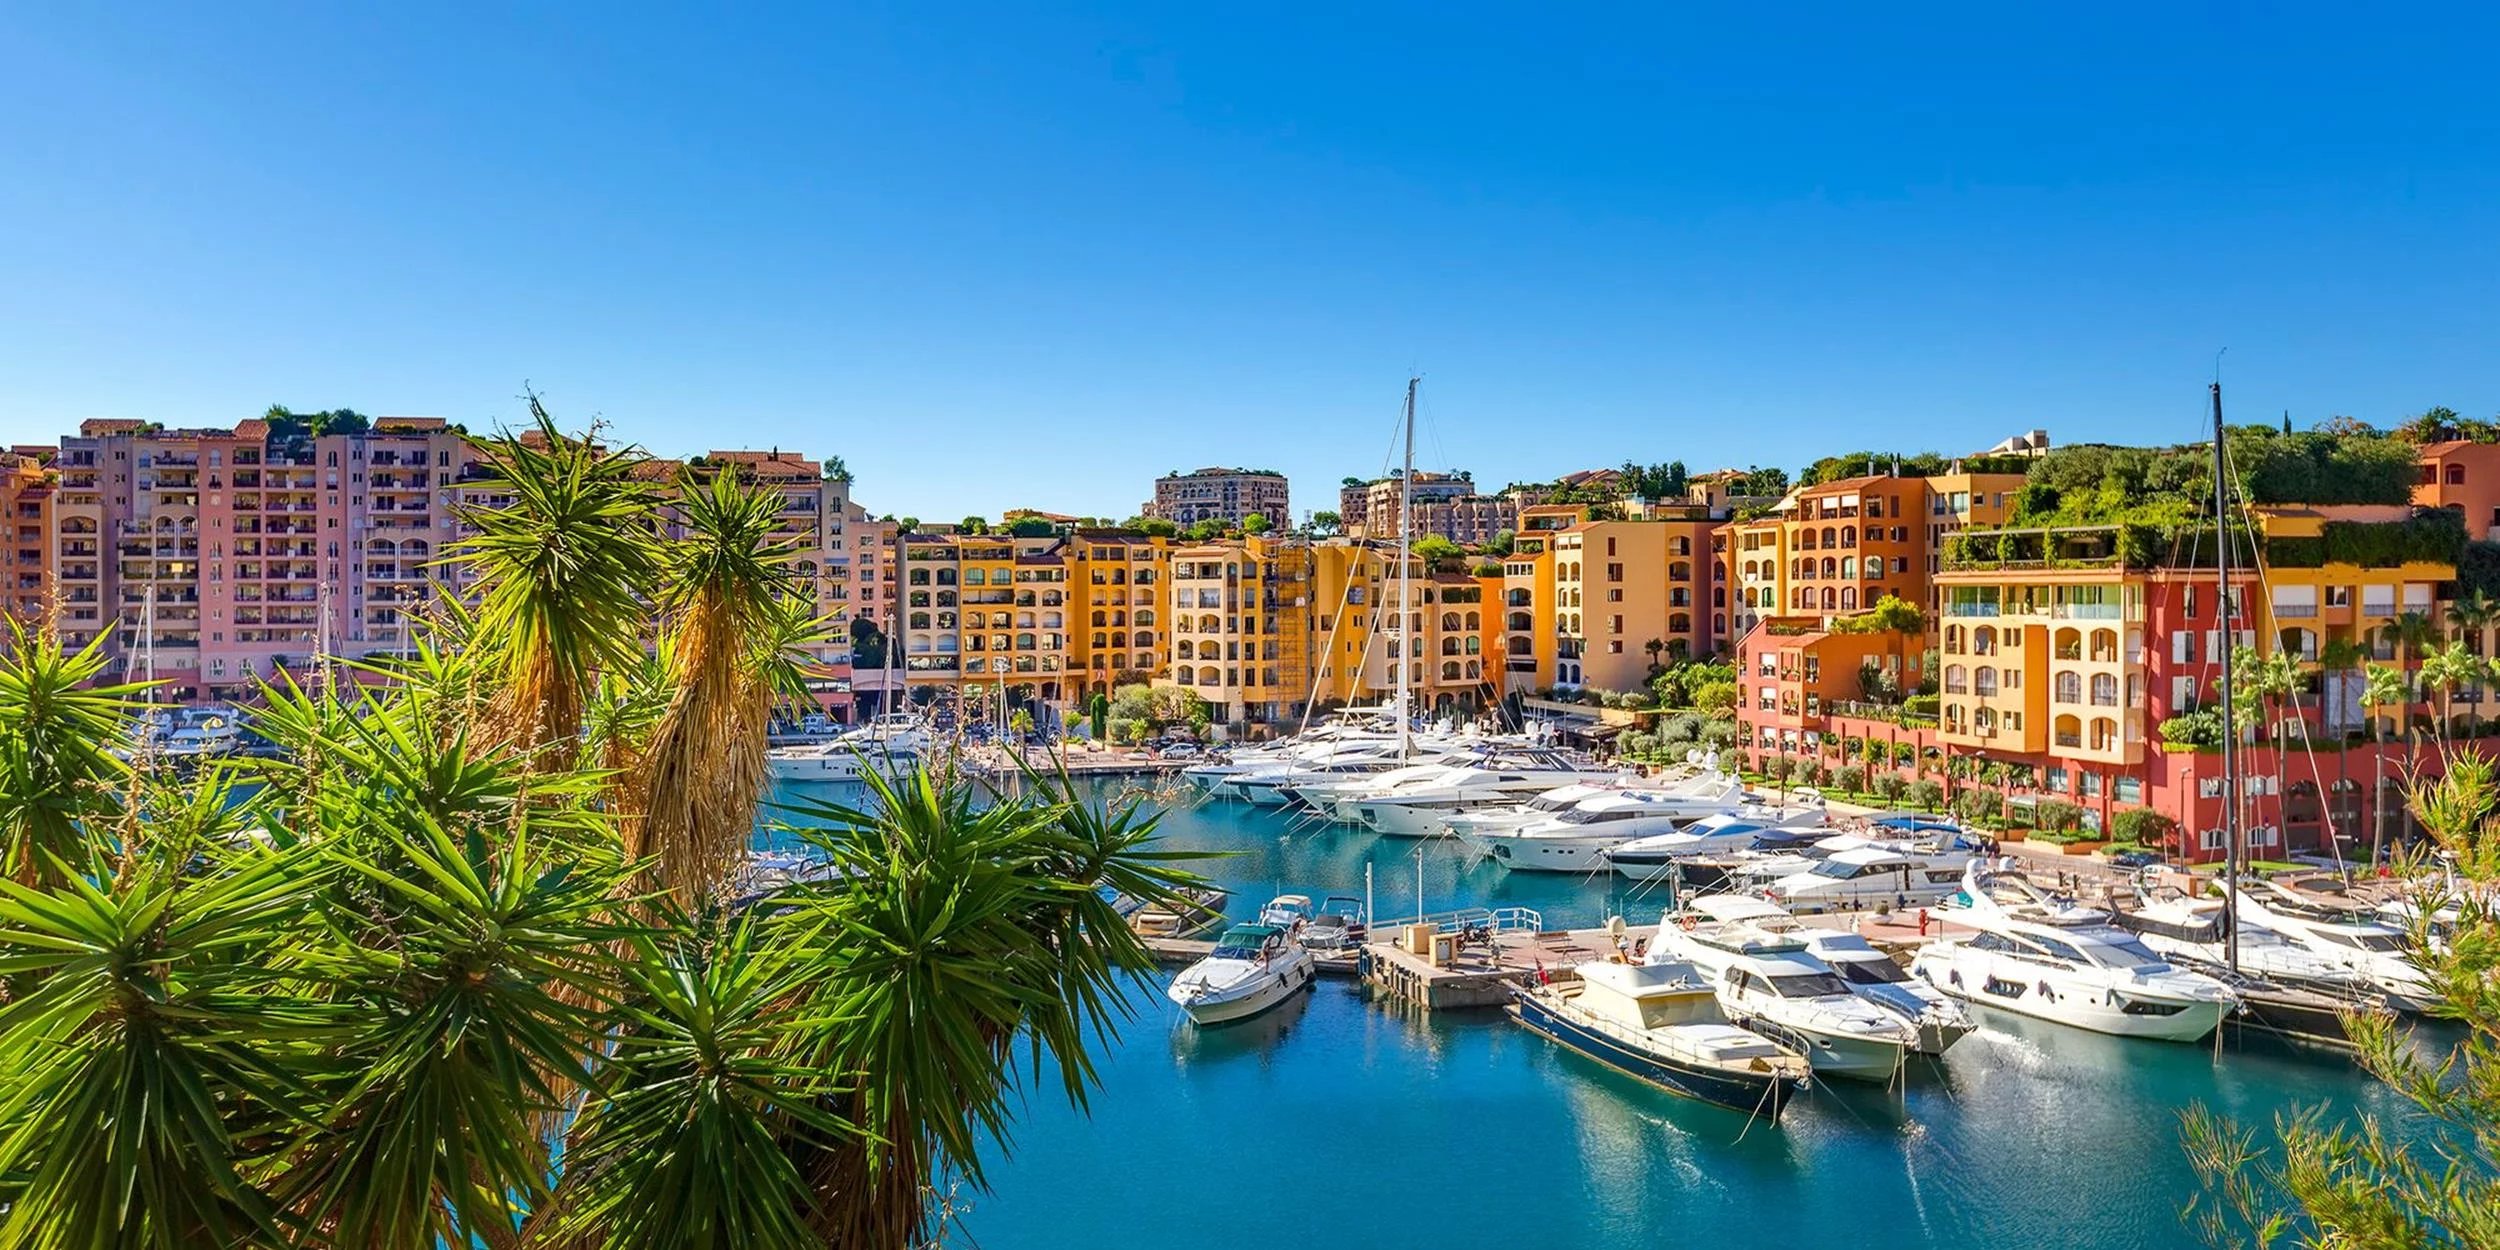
x,y
1498,919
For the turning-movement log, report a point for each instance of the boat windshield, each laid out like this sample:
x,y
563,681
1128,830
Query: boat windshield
x,y
1808,985
1835,869
2115,951
2366,940
1870,971
1244,943
1585,816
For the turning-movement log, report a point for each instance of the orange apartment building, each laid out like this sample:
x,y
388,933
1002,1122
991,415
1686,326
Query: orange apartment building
x,y
26,514
2464,476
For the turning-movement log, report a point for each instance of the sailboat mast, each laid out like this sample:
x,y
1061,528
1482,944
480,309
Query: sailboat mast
x,y
2230,733
1406,549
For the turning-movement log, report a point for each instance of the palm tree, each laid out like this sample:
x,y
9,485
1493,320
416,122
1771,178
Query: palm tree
x,y
563,572
2385,685
353,1008
705,770
2469,616
57,731
2443,671
965,925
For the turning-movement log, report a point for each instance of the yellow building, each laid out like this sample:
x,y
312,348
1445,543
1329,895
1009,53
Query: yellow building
x,y
1116,580
984,613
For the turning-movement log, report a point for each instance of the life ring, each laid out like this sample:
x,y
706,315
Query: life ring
x,y
1687,922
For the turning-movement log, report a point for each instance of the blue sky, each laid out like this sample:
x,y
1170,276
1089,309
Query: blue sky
x,y
998,257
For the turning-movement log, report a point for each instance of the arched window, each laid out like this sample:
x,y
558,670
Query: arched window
x,y
1984,681
1449,622
1848,536
1848,598
2104,690
2068,688
1449,671
1956,679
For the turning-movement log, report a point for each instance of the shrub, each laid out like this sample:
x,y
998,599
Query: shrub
x,y
1815,774
1926,705
2057,816
2200,730
1889,786
2144,826
1851,779
1924,795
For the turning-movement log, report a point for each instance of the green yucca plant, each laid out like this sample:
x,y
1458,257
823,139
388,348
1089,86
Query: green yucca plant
x,y
564,574
59,727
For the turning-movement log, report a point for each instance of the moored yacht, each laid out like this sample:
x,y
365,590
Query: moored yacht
x,y
1880,979
1660,1022
1577,840
2352,939
2043,955
1862,877
1416,808
1254,966
1769,982
1659,856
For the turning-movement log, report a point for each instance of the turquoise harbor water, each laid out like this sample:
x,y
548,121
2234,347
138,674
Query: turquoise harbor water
x,y
1338,1121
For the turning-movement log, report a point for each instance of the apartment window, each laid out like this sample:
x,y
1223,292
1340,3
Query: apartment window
x,y
1614,596
1614,624
1614,648
1610,546
1614,572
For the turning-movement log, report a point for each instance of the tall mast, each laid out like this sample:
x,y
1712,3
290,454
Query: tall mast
x,y
2230,734
1406,549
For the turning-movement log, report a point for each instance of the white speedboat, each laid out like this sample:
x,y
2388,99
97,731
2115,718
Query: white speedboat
x,y
2044,955
1660,1022
1254,966
2378,953
1880,979
1769,982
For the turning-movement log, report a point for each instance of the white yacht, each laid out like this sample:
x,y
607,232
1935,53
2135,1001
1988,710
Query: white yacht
x,y
1254,966
1660,1022
1416,808
1577,840
2043,955
1878,978
2198,930
2378,953
1660,855
1859,878
1462,824
1769,982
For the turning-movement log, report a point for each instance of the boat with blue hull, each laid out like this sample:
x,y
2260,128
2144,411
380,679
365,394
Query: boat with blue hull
x,y
1662,1024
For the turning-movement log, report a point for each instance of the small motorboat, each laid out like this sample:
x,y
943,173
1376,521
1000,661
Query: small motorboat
x,y
1253,968
1338,925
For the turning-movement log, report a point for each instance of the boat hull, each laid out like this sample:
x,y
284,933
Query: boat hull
x,y
1764,1093
1833,1054
2082,1009
1546,854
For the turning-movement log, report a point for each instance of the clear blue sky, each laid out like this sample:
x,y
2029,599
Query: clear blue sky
x,y
997,258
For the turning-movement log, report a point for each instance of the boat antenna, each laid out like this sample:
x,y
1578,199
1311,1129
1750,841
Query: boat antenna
x,y
1406,548
2230,735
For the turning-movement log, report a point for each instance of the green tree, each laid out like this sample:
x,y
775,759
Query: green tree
x,y
1255,524
1326,524
361,1002
1433,549
2353,1181
2385,686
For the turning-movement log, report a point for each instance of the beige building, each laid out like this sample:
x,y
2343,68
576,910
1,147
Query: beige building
x,y
1222,495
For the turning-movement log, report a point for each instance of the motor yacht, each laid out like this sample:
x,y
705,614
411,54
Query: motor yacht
x,y
1880,979
1416,808
2380,954
1861,877
1499,817
1769,982
1253,967
1659,856
2047,956
2199,930
1576,840
1661,1022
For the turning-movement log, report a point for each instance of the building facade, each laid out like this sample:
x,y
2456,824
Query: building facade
x,y
1224,496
